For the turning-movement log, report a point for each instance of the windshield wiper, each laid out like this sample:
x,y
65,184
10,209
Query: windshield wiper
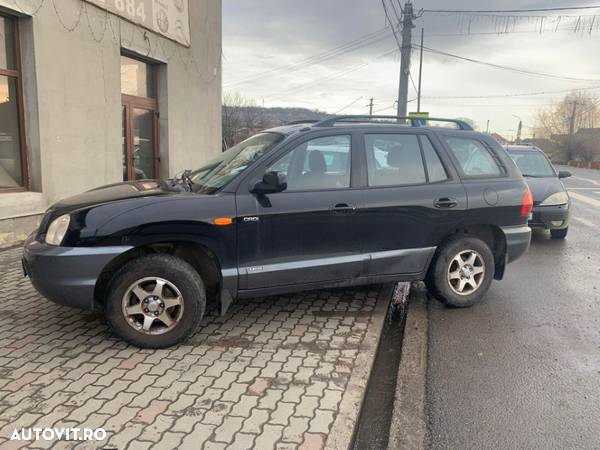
x,y
183,181
187,179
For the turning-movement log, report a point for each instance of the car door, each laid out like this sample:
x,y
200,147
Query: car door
x,y
411,199
308,233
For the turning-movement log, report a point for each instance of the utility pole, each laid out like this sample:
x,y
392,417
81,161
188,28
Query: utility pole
x,y
571,129
487,127
370,105
407,26
420,72
572,119
519,129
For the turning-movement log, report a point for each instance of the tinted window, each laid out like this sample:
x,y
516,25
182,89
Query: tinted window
x,y
435,169
473,157
321,163
219,171
394,159
532,163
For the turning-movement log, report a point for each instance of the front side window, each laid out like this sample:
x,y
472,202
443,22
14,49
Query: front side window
x,y
221,170
12,151
321,163
473,157
532,163
394,160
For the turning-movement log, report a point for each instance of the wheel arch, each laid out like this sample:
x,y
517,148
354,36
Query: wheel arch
x,y
200,257
492,235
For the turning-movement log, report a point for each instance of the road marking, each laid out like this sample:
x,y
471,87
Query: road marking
x,y
584,199
582,189
584,221
589,180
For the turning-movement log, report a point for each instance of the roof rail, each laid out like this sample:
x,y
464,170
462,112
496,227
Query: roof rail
x,y
414,121
300,122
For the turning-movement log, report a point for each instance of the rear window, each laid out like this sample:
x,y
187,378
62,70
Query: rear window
x,y
474,158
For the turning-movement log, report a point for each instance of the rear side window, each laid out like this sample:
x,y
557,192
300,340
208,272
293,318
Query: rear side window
x,y
474,158
394,159
435,169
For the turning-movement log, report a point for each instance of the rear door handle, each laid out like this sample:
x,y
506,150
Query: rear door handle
x,y
445,202
343,208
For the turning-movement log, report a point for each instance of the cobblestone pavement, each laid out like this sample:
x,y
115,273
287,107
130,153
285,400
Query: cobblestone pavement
x,y
274,373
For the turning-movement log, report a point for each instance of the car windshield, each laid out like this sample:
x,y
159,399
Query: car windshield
x,y
532,163
219,171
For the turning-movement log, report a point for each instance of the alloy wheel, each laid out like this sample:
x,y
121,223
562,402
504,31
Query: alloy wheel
x,y
152,305
466,272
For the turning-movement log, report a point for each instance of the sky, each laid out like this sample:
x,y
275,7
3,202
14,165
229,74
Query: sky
x,y
334,55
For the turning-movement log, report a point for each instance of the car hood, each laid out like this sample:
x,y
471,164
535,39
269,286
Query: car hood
x,y
117,192
542,188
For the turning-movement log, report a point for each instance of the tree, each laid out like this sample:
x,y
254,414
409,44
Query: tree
x,y
561,122
469,121
241,118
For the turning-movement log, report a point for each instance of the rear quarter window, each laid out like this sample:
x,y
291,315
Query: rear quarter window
x,y
474,158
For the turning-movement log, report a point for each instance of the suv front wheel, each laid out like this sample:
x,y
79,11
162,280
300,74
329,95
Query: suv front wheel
x,y
462,271
155,301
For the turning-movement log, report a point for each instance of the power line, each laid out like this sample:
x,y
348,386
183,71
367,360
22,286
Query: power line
x,y
338,74
501,11
355,44
347,106
413,83
385,10
523,94
499,33
511,69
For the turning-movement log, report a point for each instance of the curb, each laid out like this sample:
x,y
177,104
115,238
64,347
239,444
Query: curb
x,y
342,431
408,429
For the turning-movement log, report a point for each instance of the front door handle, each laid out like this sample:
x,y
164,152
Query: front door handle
x,y
343,208
445,202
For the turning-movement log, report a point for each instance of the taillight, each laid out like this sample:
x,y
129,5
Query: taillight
x,y
526,204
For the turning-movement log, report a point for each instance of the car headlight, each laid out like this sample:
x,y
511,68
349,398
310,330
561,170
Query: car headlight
x,y
57,230
559,198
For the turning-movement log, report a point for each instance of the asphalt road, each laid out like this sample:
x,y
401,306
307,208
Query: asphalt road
x,y
522,369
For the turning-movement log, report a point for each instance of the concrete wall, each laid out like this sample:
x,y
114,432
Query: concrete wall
x,y
73,95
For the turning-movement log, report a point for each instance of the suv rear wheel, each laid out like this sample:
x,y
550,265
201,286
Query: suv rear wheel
x,y
462,271
155,301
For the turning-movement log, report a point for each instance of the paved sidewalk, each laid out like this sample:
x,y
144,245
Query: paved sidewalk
x,y
281,372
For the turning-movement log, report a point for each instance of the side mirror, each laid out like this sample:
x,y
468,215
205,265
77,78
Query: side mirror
x,y
564,174
271,183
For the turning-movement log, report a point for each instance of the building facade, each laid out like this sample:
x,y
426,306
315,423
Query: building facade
x,y
94,92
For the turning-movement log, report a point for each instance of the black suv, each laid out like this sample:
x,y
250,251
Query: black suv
x,y
343,202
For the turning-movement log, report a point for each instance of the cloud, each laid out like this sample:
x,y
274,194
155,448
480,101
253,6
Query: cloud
x,y
270,48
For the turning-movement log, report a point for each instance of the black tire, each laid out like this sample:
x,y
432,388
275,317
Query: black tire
x,y
559,234
437,280
176,273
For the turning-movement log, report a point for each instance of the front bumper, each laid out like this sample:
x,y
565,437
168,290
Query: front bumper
x,y
550,217
67,275
518,239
